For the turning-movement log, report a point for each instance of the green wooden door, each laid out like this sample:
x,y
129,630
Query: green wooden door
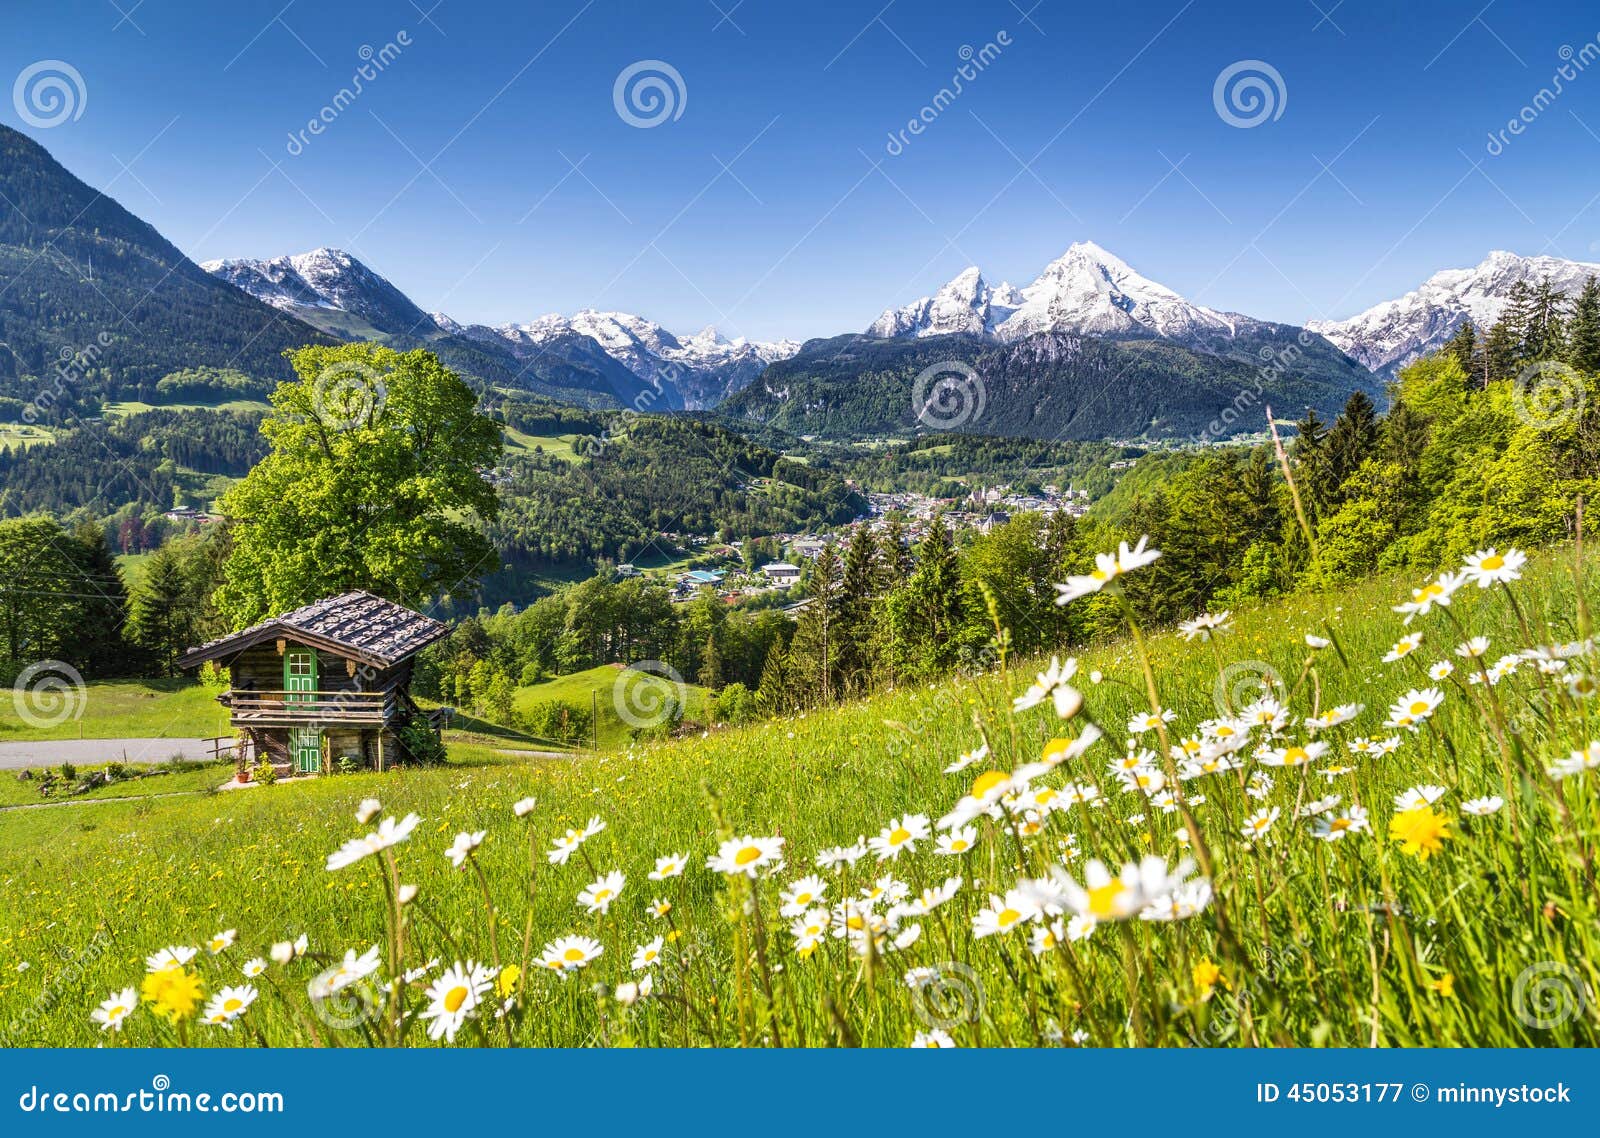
x,y
306,742
299,674
300,685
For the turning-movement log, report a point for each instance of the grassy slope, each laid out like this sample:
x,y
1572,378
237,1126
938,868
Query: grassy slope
x,y
596,688
176,870
131,709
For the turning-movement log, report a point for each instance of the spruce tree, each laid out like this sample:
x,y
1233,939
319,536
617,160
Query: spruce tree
x,y
773,696
161,614
894,555
1349,442
856,624
1518,320
1501,351
1583,332
1545,336
1463,345
813,662
926,612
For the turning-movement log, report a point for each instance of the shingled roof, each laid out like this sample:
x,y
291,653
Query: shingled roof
x,y
358,624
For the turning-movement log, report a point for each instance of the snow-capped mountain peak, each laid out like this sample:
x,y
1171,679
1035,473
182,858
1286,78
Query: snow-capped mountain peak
x,y
964,304
1090,290
1391,334
1087,290
323,282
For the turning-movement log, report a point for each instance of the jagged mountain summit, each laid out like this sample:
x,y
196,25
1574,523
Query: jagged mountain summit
x,y
966,305
326,287
705,368
1086,290
336,292
1390,335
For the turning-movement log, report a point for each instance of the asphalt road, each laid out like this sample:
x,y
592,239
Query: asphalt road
x,y
85,752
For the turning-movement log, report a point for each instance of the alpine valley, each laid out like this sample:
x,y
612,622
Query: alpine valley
x,y
1090,349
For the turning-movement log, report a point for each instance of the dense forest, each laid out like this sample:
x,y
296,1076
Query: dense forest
x,y
657,474
1052,385
143,461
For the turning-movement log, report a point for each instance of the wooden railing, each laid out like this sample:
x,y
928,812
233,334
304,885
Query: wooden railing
x,y
305,706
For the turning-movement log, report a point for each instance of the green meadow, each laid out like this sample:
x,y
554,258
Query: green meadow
x,y
1414,926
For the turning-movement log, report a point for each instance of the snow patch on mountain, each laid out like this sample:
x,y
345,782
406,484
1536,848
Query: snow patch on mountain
x,y
330,280
1390,335
1086,290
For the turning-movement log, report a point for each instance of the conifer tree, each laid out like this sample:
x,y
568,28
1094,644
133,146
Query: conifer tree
x,y
856,624
1583,332
773,695
813,663
926,612
1349,442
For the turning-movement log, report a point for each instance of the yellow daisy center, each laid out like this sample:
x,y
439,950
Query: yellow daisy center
x,y
1103,898
987,781
1419,707
1492,562
233,1004
959,845
899,836
573,954
747,855
1005,918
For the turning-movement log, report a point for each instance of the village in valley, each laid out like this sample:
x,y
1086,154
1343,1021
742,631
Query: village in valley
x,y
724,568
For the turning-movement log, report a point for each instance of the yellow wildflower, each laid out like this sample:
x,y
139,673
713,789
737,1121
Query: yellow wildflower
x,y
1421,833
173,992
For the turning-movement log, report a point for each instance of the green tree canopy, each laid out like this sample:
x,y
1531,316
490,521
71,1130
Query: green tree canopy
x,y
375,481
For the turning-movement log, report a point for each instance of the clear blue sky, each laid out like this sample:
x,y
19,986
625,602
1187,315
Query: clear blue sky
x,y
803,236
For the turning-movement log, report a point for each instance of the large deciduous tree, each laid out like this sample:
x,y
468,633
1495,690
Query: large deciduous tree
x,y
376,481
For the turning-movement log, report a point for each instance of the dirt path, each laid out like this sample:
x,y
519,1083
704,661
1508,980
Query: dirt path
x,y
87,752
